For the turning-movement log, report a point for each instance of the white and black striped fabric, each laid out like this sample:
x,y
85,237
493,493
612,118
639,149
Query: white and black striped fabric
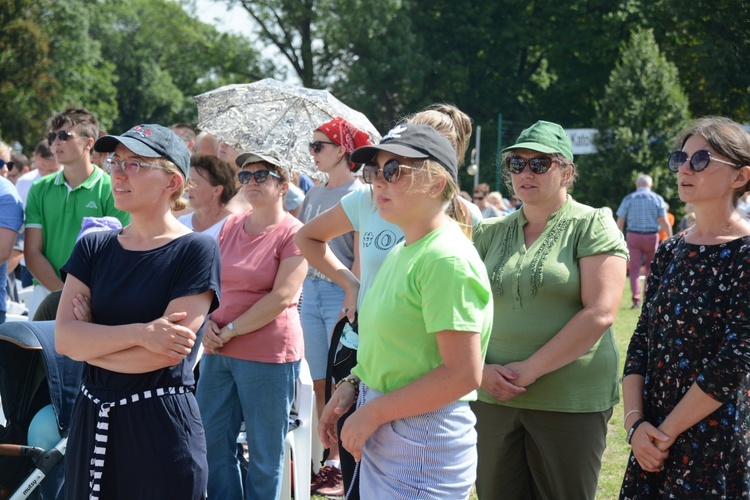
x,y
102,429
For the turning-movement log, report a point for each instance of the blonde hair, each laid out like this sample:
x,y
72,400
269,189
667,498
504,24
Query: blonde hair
x,y
450,121
450,193
177,201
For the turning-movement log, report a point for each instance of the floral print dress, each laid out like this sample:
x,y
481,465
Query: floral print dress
x,y
695,328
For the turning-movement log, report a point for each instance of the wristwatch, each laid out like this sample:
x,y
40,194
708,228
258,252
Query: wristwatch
x,y
230,325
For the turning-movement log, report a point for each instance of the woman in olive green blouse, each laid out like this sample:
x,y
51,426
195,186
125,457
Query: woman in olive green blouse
x,y
550,380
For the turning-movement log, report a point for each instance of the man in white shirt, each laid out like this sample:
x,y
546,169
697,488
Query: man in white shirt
x,y
44,163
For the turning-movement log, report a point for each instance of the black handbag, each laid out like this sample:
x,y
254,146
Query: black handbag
x,y
341,359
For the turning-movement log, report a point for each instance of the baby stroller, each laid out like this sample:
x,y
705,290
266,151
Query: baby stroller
x,y
37,389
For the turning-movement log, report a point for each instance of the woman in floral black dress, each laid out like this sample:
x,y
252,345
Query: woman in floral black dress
x,y
687,373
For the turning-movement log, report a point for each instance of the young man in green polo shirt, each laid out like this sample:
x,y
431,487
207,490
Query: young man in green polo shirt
x,y
57,204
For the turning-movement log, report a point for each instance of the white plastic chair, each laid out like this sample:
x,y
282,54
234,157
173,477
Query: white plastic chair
x,y
300,442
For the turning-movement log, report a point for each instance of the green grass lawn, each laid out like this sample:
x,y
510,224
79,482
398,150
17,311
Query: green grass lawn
x,y
616,454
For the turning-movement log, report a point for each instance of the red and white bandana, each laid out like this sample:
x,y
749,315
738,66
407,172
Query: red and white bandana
x,y
345,134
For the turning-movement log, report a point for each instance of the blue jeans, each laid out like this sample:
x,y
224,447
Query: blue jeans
x,y
229,391
321,308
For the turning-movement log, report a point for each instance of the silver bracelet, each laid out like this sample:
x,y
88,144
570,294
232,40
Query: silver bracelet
x,y
624,420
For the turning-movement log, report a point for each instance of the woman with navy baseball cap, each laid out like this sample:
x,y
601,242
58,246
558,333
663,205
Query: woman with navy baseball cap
x,y
424,326
133,308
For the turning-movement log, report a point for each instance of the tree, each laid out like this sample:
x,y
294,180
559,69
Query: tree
x,y
643,109
709,42
162,58
27,87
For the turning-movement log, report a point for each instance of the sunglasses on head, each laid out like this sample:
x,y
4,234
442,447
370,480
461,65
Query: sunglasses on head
x,y
538,165
391,171
64,135
260,176
316,146
698,162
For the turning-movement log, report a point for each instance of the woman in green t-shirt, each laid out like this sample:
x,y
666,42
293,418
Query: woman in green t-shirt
x,y
550,380
424,327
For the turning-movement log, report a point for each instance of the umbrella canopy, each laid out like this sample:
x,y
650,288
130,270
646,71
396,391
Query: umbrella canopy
x,y
274,117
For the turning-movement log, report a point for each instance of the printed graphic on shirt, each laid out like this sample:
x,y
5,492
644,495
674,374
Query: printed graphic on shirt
x,y
385,240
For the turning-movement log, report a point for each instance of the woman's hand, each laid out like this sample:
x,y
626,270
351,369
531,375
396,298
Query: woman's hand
x,y
525,375
499,382
339,404
650,447
211,337
164,336
349,306
82,308
357,430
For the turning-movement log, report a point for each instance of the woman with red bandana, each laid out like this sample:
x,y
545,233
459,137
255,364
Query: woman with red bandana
x,y
331,145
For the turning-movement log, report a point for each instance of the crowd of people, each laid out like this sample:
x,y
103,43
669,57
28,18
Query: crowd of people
x,y
482,354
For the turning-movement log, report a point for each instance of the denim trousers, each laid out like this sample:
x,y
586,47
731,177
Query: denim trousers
x,y
321,308
229,392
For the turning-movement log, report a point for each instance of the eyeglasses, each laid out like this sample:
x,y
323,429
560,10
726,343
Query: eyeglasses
x,y
391,171
260,176
8,164
698,162
129,167
316,146
64,135
538,165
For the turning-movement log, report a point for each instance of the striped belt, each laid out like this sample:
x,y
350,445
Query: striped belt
x,y
102,429
317,275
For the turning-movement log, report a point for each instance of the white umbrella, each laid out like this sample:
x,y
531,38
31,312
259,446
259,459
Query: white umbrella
x,y
274,117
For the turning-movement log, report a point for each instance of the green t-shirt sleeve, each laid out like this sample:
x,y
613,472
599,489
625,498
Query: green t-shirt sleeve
x,y
33,210
598,234
454,295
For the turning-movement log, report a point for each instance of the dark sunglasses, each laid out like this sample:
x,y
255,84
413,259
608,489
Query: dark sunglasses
x,y
538,165
64,135
698,162
391,171
316,146
260,176
8,164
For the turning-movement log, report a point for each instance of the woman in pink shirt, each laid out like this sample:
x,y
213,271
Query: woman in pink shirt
x,y
254,340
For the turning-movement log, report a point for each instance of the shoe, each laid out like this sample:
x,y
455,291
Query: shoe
x,y
328,482
636,305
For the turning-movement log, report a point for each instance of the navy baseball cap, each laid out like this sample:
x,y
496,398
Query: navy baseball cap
x,y
413,141
149,141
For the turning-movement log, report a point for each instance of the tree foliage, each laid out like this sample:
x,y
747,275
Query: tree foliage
x,y
643,108
162,57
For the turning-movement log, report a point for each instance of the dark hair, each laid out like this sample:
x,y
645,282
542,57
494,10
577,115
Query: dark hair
x,y
483,188
42,149
19,160
219,173
727,138
86,122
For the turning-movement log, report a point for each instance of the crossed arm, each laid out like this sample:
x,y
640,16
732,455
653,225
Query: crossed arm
x,y
131,348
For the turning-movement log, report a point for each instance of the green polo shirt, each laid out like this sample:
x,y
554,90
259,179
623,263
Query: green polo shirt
x,y
536,291
57,209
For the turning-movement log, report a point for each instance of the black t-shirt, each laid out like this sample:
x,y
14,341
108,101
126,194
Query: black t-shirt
x,y
136,287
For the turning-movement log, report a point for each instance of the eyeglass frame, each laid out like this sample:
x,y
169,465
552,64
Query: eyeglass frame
x,y
254,175
530,163
107,164
389,178
693,166
316,147
63,135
